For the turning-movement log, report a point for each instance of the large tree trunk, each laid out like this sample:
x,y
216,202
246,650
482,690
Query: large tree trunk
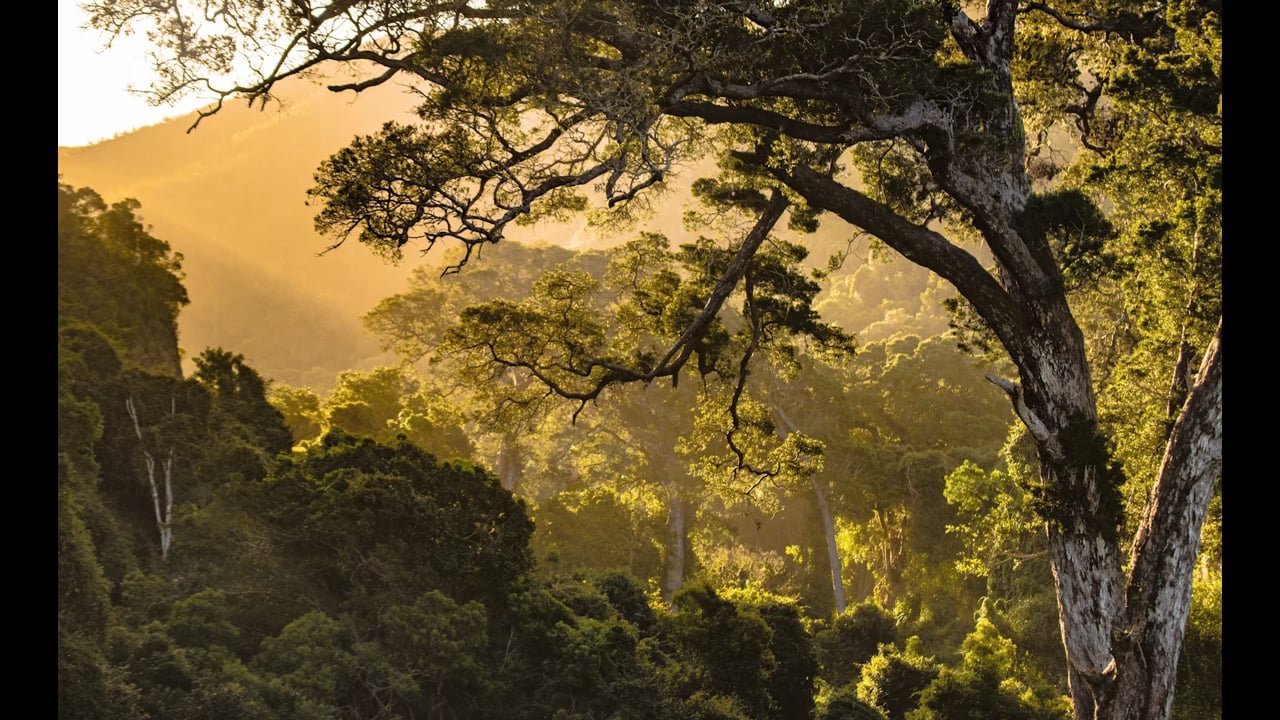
x,y
1158,596
1079,492
1089,582
1122,635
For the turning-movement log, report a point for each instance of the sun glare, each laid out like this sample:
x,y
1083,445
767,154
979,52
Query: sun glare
x,y
94,102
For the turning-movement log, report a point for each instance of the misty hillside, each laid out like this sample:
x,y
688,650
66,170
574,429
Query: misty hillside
x,y
231,197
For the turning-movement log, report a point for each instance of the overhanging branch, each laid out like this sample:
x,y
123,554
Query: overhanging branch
x,y
918,244
1130,26
677,354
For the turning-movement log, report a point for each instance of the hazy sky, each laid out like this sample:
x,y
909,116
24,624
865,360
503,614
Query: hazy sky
x,y
93,100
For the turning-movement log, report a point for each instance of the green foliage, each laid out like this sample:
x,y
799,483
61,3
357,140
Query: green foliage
x,y
412,323
893,679
844,704
760,465
723,648
365,520
430,420
986,684
1006,544
628,598
384,403
89,688
428,654
910,411
307,665
749,647
1069,224
896,175
300,409
202,621
367,403
593,530
998,525
245,431
114,275
572,653
239,403
1199,687
83,599
84,680
791,684
853,638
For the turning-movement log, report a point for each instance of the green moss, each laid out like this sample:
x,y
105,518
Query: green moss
x,y
1061,502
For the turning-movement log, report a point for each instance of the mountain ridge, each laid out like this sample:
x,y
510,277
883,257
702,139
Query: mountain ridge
x,y
230,196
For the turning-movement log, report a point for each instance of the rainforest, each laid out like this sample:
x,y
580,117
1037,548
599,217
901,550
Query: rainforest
x,y
821,359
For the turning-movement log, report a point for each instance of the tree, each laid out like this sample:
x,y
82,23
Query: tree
x,y
625,296
114,275
239,409
949,117
390,522
893,679
985,684
895,419
751,648
853,638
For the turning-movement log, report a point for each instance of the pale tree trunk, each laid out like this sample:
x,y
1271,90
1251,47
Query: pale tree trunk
x,y
1158,596
893,534
509,464
1123,635
164,516
833,550
828,523
1079,490
678,512
1088,581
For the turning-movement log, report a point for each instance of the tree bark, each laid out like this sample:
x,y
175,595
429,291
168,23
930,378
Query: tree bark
x,y
509,464
828,522
1148,639
677,545
1088,581
833,550
164,516
1078,494
1123,635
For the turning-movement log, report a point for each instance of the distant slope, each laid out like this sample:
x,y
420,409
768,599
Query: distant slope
x,y
231,196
